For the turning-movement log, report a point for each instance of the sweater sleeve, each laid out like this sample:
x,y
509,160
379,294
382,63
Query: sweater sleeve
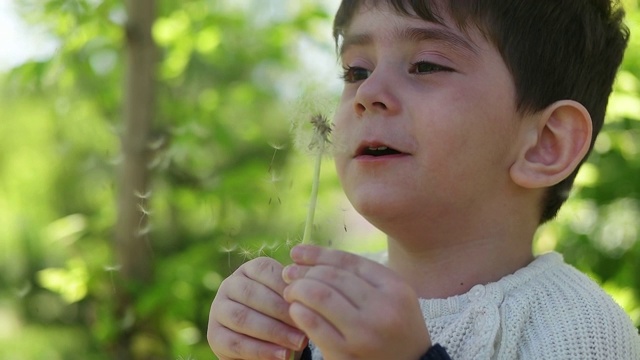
x,y
436,352
306,354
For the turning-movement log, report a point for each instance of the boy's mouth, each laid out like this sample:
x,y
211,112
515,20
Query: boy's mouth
x,y
376,151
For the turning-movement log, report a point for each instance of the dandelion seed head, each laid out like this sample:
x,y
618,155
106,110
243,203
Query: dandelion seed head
x,y
321,131
304,131
321,126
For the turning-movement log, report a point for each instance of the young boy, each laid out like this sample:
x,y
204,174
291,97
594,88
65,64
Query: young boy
x,y
460,129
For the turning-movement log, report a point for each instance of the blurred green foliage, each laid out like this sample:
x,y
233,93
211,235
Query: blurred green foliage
x,y
228,183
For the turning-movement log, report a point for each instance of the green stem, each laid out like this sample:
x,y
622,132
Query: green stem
x,y
308,227
321,137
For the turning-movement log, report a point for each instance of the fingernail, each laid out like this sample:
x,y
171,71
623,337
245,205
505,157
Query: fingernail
x,y
290,272
281,354
300,253
296,252
296,340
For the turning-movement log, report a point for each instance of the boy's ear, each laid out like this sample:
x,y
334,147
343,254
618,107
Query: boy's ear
x,y
553,146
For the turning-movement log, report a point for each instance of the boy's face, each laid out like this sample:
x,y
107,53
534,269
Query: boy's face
x,y
443,100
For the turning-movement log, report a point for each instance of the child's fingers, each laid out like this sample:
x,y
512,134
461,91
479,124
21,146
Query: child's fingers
x,y
323,331
351,287
259,297
244,320
311,255
230,345
266,271
323,299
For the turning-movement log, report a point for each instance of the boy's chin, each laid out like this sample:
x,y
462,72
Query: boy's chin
x,y
378,210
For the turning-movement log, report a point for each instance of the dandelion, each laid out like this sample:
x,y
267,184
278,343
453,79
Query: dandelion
x,y
319,142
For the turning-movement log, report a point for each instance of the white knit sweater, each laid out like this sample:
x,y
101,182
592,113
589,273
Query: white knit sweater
x,y
547,310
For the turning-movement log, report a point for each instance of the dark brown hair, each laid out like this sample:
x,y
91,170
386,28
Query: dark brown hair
x,y
554,49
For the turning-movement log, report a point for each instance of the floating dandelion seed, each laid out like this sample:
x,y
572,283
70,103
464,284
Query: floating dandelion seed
x,y
229,250
145,230
274,179
140,195
156,144
260,251
273,157
277,146
289,243
23,291
154,163
246,254
145,212
111,269
274,247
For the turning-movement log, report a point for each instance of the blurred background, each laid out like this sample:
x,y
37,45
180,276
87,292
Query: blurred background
x,y
147,150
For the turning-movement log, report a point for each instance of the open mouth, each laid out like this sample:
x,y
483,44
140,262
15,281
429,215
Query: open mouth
x,y
378,151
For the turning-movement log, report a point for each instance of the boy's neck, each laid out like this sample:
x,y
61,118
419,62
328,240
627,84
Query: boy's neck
x,y
440,268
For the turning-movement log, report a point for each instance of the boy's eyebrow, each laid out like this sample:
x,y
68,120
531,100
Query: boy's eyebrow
x,y
413,34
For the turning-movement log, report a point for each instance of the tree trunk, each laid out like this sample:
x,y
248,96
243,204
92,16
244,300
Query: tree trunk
x,y
133,247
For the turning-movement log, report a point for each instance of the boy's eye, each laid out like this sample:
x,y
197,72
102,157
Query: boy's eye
x,y
425,67
354,74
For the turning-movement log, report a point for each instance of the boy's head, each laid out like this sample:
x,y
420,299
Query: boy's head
x,y
554,50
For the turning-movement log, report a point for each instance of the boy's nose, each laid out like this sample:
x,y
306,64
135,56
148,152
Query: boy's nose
x,y
376,95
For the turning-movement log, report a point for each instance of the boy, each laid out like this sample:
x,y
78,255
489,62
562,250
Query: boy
x,y
460,129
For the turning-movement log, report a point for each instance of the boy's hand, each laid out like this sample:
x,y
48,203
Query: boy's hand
x,y
352,307
249,318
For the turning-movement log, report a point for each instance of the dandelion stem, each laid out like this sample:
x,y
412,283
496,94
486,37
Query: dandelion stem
x,y
321,131
313,201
